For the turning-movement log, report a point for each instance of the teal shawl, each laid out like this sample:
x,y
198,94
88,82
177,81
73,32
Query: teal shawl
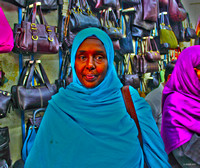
x,y
90,127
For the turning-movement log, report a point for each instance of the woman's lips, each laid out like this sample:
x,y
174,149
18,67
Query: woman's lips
x,y
90,77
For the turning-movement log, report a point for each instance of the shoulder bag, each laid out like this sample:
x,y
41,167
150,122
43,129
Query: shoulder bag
x,y
190,33
6,35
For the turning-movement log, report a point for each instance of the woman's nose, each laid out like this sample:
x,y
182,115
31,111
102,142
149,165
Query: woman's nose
x,y
90,63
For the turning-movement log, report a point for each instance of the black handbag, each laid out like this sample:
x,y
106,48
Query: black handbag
x,y
81,16
126,43
45,4
190,33
28,97
4,145
5,98
65,73
110,25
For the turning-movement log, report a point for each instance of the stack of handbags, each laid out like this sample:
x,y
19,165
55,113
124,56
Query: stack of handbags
x,y
28,96
147,58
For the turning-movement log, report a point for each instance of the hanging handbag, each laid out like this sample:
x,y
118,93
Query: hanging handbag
x,y
138,19
81,16
28,97
65,73
150,54
163,48
178,30
103,4
37,38
166,33
5,98
4,145
45,4
163,3
31,134
6,35
129,78
177,11
150,10
126,43
190,33
110,25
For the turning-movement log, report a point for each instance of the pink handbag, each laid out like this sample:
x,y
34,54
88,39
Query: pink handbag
x,y
6,34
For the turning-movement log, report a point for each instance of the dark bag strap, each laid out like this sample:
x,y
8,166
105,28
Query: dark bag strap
x,y
131,110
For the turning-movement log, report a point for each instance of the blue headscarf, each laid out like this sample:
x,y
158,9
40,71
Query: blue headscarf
x,y
89,127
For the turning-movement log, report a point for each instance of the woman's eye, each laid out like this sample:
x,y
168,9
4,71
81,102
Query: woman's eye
x,y
82,58
99,57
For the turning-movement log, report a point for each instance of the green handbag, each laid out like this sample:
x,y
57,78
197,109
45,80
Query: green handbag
x,y
166,33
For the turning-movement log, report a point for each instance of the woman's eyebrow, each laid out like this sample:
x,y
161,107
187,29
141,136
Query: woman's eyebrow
x,y
98,51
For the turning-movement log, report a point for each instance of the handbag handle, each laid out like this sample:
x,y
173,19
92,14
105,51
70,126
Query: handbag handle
x,y
36,112
44,76
107,18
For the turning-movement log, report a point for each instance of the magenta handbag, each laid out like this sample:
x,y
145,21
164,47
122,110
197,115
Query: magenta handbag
x,y
6,34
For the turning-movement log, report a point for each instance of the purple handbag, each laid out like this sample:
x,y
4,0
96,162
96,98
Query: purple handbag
x,y
6,35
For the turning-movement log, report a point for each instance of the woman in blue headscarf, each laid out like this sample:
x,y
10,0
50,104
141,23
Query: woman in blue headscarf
x,y
87,125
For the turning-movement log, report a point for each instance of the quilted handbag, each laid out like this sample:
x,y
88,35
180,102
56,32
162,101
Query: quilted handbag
x,y
6,35
37,38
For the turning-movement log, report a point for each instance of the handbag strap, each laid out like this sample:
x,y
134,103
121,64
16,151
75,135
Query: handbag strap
x,y
131,110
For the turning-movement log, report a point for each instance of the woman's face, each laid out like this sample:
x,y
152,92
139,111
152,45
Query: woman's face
x,y
91,62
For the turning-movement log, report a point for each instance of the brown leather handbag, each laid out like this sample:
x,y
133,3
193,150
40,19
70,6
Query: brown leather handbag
x,y
150,10
29,97
177,11
150,54
37,38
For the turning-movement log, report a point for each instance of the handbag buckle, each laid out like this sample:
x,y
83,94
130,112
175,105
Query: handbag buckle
x,y
47,29
34,38
50,39
33,26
